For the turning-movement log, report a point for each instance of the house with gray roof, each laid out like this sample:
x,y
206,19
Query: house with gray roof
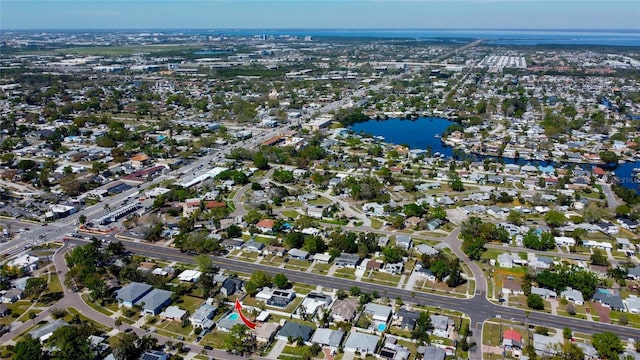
x,y
328,337
634,273
572,295
347,260
154,301
544,293
633,304
362,343
406,319
378,312
431,353
131,293
426,250
441,325
404,242
294,331
544,345
344,310
203,316
298,254
391,350
45,331
610,300
253,246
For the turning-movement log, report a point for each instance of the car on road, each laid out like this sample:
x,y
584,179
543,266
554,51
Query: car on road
x,y
42,236
207,347
128,330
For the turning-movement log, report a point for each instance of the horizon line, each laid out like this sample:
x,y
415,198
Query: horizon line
x,y
328,29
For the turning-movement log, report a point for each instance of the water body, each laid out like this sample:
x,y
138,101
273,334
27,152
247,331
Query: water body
x,y
495,37
424,133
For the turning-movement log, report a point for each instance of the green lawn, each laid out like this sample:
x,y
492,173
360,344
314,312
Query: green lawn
x,y
189,303
321,268
376,224
290,214
382,278
347,273
272,260
320,201
491,334
303,289
54,284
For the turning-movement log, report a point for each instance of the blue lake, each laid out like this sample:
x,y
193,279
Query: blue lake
x,y
423,133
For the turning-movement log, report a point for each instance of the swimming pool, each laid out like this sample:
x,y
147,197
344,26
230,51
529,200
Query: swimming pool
x,y
381,327
233,316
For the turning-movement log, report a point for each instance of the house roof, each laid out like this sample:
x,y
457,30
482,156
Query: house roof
x,y
360,341
346,308
266,223
48,328
328,337
381,311
154,299
512,335
133,291
139,157
295,330
173,312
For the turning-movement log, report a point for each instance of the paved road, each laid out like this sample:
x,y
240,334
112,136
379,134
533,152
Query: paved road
x,y
612,201
478,308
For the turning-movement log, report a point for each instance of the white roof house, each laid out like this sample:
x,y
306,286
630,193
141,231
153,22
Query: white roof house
x,y
633,304
189,275
378,312
25,262
573,295
363,343
173,313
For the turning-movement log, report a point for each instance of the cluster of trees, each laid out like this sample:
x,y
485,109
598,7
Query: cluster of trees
x,y
350,116
565,276
365,188
444,267
68,343
545,241
476,233
309,243
350,242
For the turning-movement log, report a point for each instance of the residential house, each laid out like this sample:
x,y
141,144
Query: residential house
x,y
11,296
431,353
373,209
324,258
276,297
298,254
232,244
154,355
365,344
275,251
228,321
344,310
154,301
253,246
544,293
412,222
190,275
425,249
131,293
610,300
406,319
512,287
379,313
347,260
425,273
265,225
404,242
173,313
314,301
505,260
266,332
511,339
292,330
441,325
634,273
203,316
572,295
633,304
395,269
545,345
391,350
45,331
230,286
434,224
328,337
139,160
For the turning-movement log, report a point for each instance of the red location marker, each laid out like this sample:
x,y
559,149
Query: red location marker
x,y
250,324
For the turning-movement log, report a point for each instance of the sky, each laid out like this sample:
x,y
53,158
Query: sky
x,y
319,14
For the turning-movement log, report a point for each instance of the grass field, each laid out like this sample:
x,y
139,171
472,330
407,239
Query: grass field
x,y
346,273
491,334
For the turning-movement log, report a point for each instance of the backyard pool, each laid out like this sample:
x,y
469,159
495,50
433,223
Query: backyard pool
x,y
233,316
381,327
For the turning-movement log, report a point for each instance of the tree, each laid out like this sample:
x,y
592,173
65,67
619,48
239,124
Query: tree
x,y
35,287
355,291
281,281
515,217
125,347
567,333
569,351
609,156
28,349
455,278
205,264
598,258
260,161
237,339
607,344
234,231
392,254
82,219
71,343
423,325
456,184
623,210
535,301
555,218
